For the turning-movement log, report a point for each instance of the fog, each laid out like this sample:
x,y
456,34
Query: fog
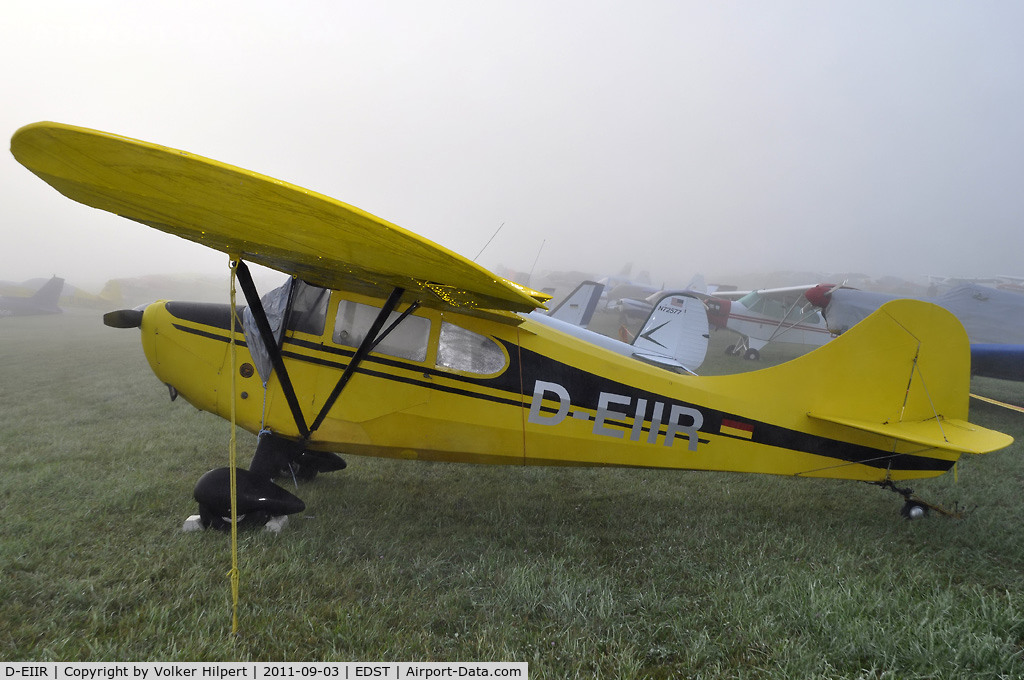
x,y
682,137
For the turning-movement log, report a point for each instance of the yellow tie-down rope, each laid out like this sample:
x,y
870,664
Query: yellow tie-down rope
x,y
232,457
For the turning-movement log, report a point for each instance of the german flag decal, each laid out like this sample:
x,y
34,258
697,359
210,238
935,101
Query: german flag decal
x,y
737,428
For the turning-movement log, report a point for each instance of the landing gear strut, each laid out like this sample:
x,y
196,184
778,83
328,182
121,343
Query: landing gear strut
x,y
256,492
742,348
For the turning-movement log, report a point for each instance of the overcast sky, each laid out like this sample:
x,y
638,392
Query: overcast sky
x,y
882,137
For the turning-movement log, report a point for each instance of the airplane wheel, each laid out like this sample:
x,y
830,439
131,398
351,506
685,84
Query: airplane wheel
x,y
257,499
212,520
914,510
752,355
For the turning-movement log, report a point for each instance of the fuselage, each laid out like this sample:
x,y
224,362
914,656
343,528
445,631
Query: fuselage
x,y
460,388
10,306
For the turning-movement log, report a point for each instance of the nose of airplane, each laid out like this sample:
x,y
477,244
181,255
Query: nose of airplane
x,y
718,312
820,295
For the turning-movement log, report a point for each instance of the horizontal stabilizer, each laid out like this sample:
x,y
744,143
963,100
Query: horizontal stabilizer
x,y
662,361
955,435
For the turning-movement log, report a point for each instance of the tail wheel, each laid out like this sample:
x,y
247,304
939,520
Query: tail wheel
x,y
914,510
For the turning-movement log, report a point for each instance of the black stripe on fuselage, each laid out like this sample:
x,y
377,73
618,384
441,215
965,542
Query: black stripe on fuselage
x,y
585,389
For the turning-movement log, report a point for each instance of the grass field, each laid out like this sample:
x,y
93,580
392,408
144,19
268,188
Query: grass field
x,y
583,573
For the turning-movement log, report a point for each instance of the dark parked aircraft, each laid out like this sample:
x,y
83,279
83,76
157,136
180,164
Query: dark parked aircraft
x,y
44,301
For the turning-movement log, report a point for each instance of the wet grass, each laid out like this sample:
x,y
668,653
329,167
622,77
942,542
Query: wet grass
x,y
583,573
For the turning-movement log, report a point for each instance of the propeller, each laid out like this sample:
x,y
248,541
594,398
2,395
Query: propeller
x,y
123,318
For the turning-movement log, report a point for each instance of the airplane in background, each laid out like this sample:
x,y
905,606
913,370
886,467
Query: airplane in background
x,y
768,315
43,301
620,288
992,317
1010,284
758,317
390,345
639,304
623,283
674,336
579,306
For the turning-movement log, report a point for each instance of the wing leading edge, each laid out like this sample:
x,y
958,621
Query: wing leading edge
x,y
257,218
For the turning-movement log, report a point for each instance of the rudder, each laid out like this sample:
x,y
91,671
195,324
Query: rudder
x,y
49,294
677,327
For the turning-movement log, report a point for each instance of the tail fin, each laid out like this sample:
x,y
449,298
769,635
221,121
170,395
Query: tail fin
x,y
676,331
897,381
49,294
578,308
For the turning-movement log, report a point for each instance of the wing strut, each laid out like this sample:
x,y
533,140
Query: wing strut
x,y
779,330
372,339
252,297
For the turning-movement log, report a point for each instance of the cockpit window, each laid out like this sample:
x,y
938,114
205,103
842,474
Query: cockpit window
x,y
764,304
309,309
751,300
408,340
463,350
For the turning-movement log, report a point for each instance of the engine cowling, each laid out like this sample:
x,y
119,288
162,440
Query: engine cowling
x,y
718,312
820,295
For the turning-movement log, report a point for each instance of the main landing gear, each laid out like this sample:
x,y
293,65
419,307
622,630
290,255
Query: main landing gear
x,y
259,501
257,496
741,349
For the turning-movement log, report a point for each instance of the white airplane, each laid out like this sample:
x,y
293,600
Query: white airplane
x,y
759,317
767,315
674,336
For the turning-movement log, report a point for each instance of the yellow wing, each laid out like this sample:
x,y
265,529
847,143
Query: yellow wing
x,y
258,219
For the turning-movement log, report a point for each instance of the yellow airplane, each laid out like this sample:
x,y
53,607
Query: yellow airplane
x,y
390,345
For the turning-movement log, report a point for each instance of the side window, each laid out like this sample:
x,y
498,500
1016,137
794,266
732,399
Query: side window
x,y
462,350
408,341
309,309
